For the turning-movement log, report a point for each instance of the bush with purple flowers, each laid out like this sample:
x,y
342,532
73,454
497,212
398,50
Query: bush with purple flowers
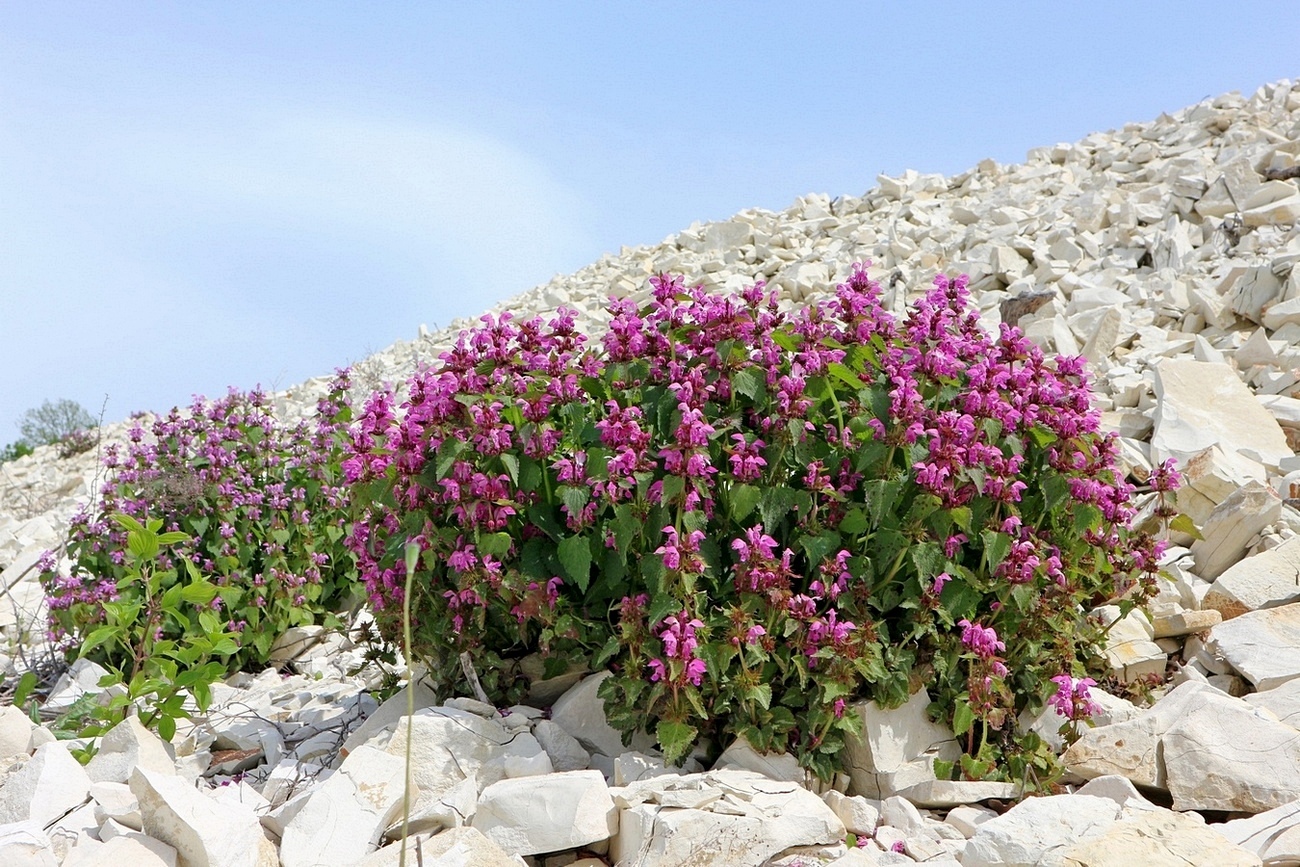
x,y
755,518
254,515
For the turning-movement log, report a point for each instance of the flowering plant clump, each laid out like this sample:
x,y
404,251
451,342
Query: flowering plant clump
x,y
253,518
755,517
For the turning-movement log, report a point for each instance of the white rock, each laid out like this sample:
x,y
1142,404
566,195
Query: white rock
x,y
1282,701
15,732
581,713
968,818
116,802
1265,580
47,786
892,740
456,847
1263,646
25,844
203,832
775,766
547,814
1129,749
342,820
1230,527
1034,830
1273,835
1223,754
1159,838
938,794
387,715
1200,404
136,850
126,746
757,819
860,815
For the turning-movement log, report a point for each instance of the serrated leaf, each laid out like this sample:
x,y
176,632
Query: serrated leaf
x,y
495,544
200,593
848,377
928,557
854,522
675,739
1184,524
574,554
742,500
761,694
511,463
750,382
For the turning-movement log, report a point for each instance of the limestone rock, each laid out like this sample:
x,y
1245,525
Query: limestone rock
x,y
455,847
25,844
342,820
1129,749
1273,835
1200,404
565,751
125,747
546,814
892,740
775,766
47,786
1230,527
581,713
1223,754
1266,580
1036,828
15,732
1263,646
204,833
1158,838
754,820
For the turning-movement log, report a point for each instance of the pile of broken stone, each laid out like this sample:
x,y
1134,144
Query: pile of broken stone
x,y
1163,252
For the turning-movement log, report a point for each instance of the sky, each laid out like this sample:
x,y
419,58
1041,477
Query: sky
x,y
197,196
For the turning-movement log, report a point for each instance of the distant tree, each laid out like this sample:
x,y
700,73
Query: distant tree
x,y
51,422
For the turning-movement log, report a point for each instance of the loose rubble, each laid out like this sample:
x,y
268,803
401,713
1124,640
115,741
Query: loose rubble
x,y
1164,252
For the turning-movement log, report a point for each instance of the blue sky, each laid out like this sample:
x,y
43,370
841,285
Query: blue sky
x,y
201,195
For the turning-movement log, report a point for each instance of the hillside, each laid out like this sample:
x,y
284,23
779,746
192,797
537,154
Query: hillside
x,y
1164,253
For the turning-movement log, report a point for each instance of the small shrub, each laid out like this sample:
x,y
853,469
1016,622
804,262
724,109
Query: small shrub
x,y
249,506
14,451
755,518
50,422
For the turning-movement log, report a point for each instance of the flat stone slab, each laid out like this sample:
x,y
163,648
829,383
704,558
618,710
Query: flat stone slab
x,y
1263,646
1200,404
1267,580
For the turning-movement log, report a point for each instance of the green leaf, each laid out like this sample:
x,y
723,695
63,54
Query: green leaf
x,y
928,558
854,522
1184,524
200,593
173,537
775,503
742,500
962,718
675,739
575,498
575,557
102,635
495,544
848,377
126,522
26,684
750,382
511,463
166,728
996,547
760,694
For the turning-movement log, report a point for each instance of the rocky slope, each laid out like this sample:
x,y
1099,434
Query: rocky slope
x,y
1164,252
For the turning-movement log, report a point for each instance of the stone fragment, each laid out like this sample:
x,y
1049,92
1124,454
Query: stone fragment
x,y
581,713
1230,527
1273,835
892,740
860,815
116,802
50,784
756,819
204,833
1185,622
1032,831
968,818
940,794
1158,838
1223,754
775,766
15,733
25,844
342,820
455,847
1263,646
1129,646
565,751
1200,404
125,747
1282,701
546,814
1129,749
137,850
1266,580
387,715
